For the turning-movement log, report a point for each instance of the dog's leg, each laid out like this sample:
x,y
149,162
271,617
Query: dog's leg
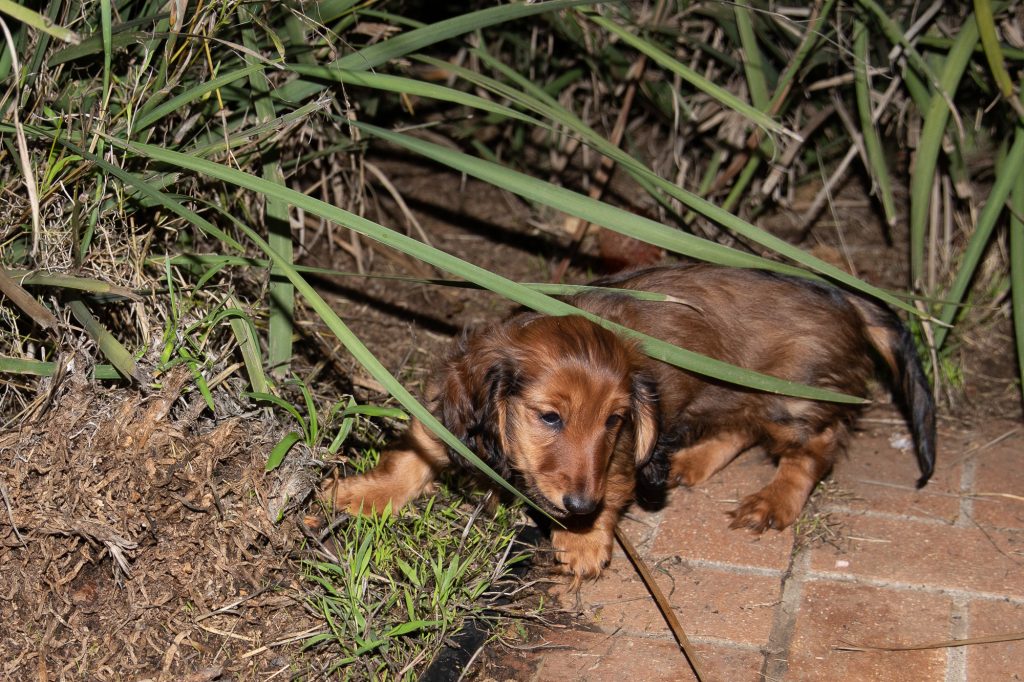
x,y
779,503
587,548
399,477
697,463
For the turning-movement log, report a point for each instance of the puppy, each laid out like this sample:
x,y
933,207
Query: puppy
x,y
575,415
559,406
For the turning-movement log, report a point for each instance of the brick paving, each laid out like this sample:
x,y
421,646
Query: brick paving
x,y
900,567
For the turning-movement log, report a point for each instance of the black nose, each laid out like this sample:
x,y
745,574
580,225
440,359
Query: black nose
x,y
579,504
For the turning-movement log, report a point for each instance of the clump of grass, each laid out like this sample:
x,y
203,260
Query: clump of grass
x,y
817,525
394,588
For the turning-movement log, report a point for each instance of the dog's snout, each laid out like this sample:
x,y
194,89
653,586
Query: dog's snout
x,y
579,504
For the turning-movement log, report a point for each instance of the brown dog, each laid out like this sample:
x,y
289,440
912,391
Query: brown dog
x,y
570,412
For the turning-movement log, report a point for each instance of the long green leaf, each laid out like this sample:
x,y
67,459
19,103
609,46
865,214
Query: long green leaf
x,y
606,215
551,289
279,451
753,61
111,348
872,140
417,39
105,32
636,226
44,368
38,21
249,346
193,94
546,106
408,87
449,263
935,120
713,90
281,293
990,43
1007,176
62,281
1017,269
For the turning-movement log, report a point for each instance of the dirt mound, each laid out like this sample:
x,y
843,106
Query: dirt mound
x,y
135,541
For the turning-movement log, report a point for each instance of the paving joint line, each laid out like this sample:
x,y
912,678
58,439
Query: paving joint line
x,y
780,637
956,656
964,518
890,516
912,587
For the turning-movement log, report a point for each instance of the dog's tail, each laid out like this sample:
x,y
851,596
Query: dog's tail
x,y
893,341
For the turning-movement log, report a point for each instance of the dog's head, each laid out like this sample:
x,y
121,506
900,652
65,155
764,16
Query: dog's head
x,y
558,401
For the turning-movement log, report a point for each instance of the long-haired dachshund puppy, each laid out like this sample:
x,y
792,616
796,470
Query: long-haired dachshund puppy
x,y
572,413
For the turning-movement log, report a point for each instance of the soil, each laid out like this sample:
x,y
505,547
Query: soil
x,y
136,541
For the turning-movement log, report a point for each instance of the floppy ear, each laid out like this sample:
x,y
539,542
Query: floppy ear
x,y
645,416
473,392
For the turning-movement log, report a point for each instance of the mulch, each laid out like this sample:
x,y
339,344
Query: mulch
x,y
136,543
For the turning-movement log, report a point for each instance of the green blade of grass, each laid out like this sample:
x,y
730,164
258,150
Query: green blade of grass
x,y
281,403
38,21
74,282
281,294
636,226
935,119
573,203
417,39
148,117
990,43
215,142
280,450
44,368
713,90
872,140
249,346
26,302
1017,269
111,348
107,53
130,32
753,62
543,287
409,87
1007,176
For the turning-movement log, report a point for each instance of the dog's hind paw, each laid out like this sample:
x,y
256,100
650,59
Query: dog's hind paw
x,y
764,510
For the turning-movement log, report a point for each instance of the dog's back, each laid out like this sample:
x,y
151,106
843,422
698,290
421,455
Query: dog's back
x,y
789,328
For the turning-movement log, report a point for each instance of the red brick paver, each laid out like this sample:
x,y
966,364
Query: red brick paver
x,y
904,567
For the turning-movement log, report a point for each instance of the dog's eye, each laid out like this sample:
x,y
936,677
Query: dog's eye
x,y
551,419
613,421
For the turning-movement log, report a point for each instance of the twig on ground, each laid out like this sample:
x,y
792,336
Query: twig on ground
x,y
662,602
946,644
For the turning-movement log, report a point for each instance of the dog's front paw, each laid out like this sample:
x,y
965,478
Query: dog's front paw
x,y
360,495
582,554
766,509
689,470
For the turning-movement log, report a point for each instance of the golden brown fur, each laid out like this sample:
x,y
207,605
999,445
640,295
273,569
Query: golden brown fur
x,y
570,412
